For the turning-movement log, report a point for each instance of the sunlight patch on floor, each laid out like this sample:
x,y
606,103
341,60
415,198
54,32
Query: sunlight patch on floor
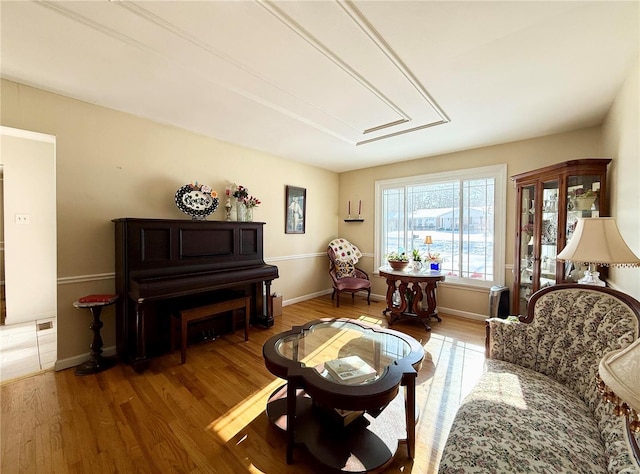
x,y
371,319
458,364
456,368
230,424
253,469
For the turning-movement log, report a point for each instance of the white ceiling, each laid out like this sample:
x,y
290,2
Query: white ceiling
x,y
340,85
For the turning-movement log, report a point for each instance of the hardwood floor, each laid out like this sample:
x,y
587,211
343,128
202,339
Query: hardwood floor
x,y
207,416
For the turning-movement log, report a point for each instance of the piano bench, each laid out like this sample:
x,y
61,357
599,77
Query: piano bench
x,y
184,317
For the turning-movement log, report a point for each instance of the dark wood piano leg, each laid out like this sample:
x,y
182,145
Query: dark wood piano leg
x,y
140,361
266,318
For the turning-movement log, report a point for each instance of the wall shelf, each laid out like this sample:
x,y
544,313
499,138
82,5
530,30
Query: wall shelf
x,y
354,220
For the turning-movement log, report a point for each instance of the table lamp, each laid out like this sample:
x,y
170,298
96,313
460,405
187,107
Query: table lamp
x,y
597,241
428,241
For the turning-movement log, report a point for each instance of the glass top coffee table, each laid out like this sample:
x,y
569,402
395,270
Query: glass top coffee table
x,y
352,423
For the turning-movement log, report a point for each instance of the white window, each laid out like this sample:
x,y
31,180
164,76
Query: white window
x,y
462,211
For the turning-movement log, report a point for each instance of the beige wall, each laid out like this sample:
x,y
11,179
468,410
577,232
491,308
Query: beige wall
x,y
621,140
519,156
112,164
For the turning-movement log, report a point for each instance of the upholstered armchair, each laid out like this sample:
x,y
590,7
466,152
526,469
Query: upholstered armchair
x,y
345,276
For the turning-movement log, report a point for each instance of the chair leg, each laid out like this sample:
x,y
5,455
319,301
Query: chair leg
x,y
369,296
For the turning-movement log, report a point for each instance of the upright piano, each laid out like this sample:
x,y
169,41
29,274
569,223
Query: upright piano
x,y
164,265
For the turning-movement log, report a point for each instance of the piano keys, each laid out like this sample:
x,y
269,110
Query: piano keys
x,y
163,265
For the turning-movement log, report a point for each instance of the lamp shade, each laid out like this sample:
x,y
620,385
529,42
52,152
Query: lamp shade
x,y
620,370
427,240
598,240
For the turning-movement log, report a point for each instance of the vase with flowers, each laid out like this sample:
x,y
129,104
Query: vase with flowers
x,y
434,261
229,204
249,204
246,204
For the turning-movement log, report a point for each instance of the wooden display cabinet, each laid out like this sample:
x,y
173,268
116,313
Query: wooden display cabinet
x,y
550,202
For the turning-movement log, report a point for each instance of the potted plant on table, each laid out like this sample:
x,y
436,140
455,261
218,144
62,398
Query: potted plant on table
x,y
398,261
417,259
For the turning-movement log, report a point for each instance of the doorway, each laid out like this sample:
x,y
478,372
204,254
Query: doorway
x,y
28,253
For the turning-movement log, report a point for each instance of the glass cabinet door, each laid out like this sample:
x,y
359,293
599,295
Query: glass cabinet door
x,y
548,234
538,238
526,244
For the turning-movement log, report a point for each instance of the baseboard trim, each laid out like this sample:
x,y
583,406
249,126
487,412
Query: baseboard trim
x,y
305,297
310,296
462,314
376,297
62,364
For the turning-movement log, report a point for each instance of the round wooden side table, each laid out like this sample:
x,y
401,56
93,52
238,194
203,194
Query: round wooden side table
x,y
97,363
406,287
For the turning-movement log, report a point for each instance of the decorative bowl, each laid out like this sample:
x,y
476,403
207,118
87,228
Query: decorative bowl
x,y
398,265
584,203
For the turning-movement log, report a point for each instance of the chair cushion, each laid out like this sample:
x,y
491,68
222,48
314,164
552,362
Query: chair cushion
x,y
352,284
344,269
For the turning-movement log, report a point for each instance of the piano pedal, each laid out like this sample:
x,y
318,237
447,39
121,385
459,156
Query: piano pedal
x,y
208,335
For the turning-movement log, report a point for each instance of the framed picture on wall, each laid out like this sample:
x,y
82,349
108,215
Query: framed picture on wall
x,y
295,210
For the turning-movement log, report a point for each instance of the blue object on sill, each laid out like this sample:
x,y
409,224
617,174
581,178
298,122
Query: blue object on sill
x,y
435,266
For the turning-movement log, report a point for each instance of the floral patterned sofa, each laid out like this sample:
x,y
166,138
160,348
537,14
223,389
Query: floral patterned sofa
x,y
537,407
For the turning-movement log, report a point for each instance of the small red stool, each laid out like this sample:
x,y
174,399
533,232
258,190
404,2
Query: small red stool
x,y
97,363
